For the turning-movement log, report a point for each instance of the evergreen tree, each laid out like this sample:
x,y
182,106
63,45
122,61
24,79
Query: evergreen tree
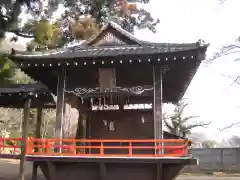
x,y
126,14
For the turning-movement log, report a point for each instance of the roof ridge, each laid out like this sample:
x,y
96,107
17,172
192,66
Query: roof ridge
x,y
118,28
143,42
138,41
124,32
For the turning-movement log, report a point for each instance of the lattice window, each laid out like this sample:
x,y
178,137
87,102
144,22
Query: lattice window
x,y
109,39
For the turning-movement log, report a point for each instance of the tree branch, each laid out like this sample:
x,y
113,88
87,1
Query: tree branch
x,y
184,120
228,127
236,80
18,33
167,124
197,125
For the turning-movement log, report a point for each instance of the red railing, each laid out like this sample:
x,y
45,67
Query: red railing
x,y
91,147
10,145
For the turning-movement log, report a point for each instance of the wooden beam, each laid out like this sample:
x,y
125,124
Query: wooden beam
x,y
159,171
157,105
103,171
27,103
60,105
37,135
34,170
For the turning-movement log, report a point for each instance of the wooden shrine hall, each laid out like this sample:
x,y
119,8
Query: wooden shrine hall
x,y
105,78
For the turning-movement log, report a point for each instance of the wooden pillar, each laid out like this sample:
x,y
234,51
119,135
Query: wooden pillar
x,y
39,122
80,134
157,105
60,105
103,171
27,103
84,125
37,135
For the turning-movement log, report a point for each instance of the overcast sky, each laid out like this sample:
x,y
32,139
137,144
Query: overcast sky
x,y
211,95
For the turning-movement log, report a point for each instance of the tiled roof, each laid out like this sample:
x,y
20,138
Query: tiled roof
x,y
23,88
78,52
138,47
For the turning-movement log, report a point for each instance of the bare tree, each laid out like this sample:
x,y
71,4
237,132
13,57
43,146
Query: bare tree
x,y
177,124
227,50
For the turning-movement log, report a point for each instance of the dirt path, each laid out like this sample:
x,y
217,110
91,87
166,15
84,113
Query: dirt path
x,y
9,171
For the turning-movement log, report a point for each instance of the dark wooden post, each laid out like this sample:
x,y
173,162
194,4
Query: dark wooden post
x,y
84,125
60,105
37,135
157,105
27,103
39,122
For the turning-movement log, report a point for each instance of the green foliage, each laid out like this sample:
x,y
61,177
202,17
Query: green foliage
x,y
47,35
6,72
126,14
10,75
209,144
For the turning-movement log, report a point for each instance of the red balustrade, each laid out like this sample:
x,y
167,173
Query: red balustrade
x,y
10,145
93,147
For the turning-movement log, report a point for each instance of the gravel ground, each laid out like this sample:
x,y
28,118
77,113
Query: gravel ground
x,y
9,171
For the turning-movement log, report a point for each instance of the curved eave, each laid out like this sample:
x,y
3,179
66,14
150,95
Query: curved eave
x,y
194,69
16,100
19,104
118,53
23,88
185,86
13,96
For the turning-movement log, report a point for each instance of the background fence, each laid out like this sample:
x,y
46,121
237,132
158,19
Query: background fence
x,y
215,159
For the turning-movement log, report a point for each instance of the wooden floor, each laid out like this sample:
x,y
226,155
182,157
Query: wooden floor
x,y
16,156
108,157
111,159
10,156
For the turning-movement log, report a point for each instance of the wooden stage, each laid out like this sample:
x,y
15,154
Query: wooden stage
x,y
107,167
99,158
105,159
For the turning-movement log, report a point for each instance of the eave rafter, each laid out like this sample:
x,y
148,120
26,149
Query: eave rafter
x,y
101,62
